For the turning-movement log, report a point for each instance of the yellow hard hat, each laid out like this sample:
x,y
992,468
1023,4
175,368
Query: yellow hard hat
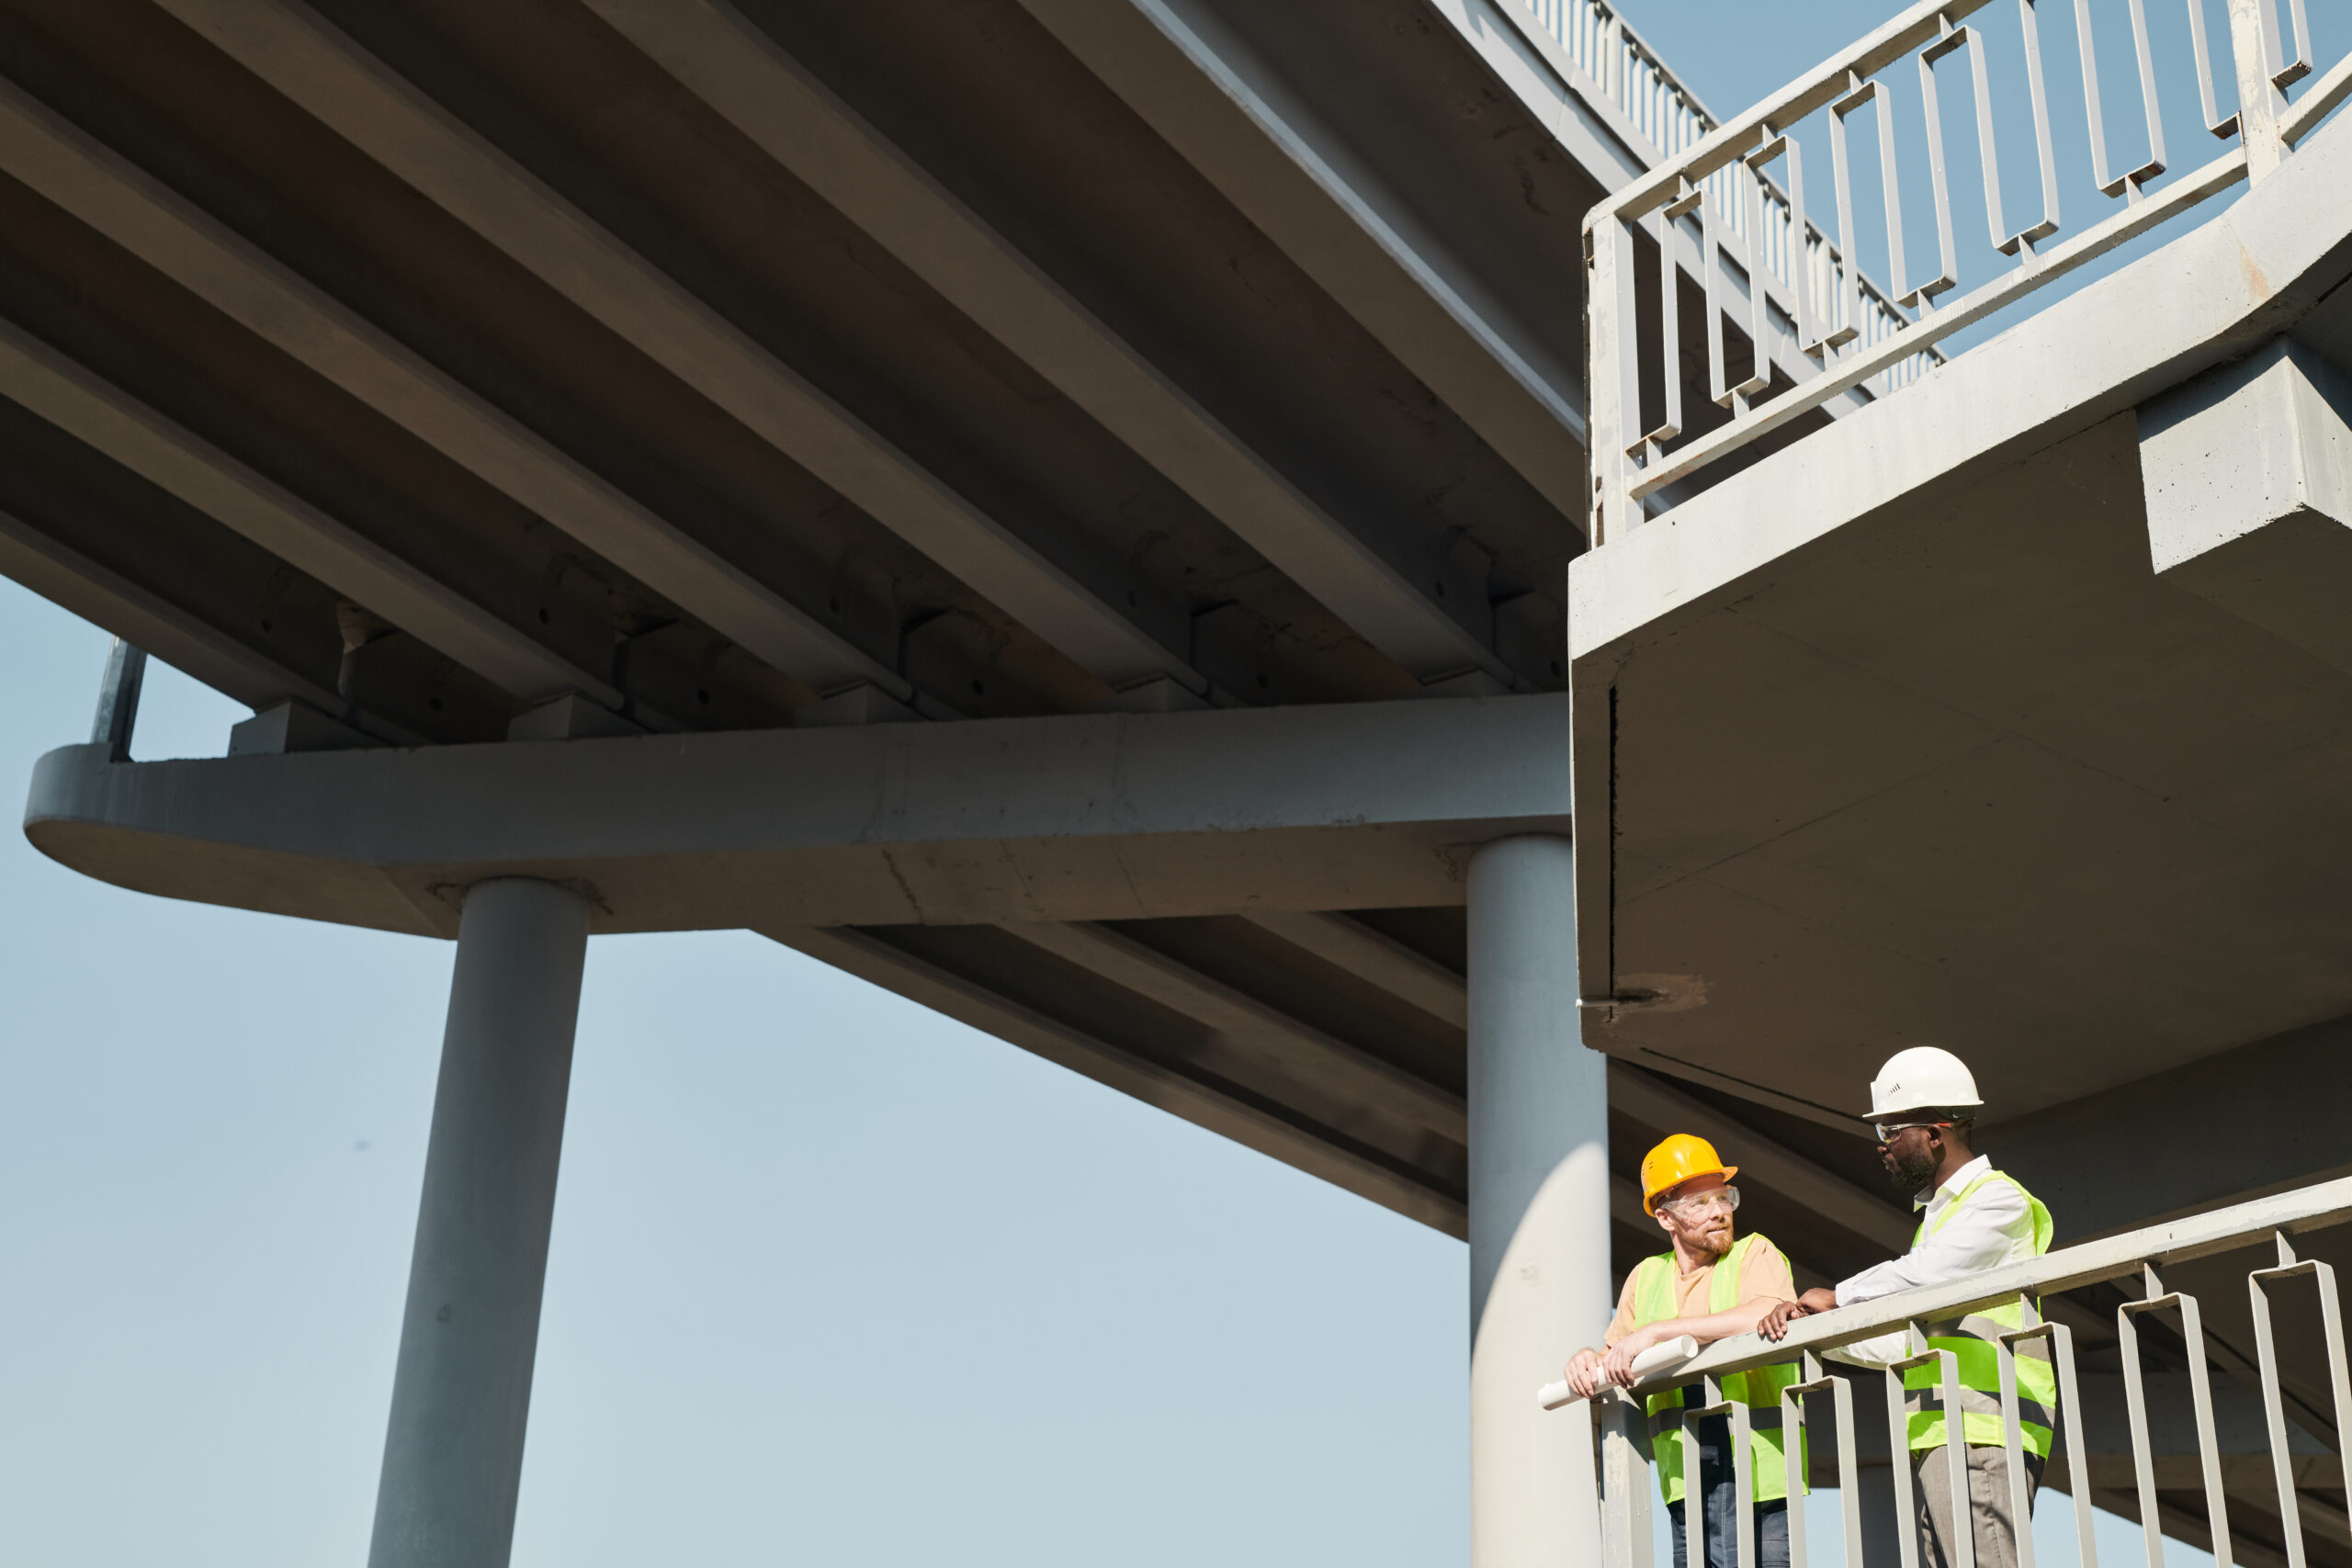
x,y
1676,1160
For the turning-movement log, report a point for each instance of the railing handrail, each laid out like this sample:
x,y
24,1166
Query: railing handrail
x,y
2066,1269
1800,97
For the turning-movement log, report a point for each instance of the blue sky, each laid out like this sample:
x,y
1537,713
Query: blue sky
x,y
833,1279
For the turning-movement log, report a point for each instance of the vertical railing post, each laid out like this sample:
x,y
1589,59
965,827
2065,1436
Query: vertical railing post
x,y
1614,416
1625,1481
117,711
2253,42
2266,1346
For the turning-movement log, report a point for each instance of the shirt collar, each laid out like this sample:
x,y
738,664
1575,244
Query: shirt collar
x,y
1937,1197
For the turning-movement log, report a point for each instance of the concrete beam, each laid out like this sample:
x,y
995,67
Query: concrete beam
x,y
740,74
2248,473
361,99
1087,818
1791,1175
1195,84
1255,1036
154,223
2251,1136
177,636
107,419
1205,1104
1376,960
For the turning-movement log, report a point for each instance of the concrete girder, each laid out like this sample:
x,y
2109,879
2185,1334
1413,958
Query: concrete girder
x,y
110,421
339,83
1310,1058
1376,960
185,640
2250,1138
2248,477
746,78
1080,817
1247,1120
170,235
1196,87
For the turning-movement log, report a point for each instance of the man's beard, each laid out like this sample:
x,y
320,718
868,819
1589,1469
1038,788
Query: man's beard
x,y
1912,1173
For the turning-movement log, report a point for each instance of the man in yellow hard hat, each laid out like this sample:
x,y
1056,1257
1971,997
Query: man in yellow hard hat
x,y
1710,1286
1972,1218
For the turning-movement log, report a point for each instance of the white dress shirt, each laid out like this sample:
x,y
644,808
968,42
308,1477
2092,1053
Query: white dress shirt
x,y
1977,1239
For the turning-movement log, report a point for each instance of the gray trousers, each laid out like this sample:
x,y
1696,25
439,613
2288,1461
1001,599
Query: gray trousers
x,y
1995,1529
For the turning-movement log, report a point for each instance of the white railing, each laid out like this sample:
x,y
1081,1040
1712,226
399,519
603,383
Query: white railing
x,y
1667,120
1848,335
1621,1427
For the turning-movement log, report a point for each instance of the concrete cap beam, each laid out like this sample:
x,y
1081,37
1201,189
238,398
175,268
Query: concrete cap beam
x,y
1097,817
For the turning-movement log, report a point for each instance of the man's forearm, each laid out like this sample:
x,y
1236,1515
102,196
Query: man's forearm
x,y
1714,1325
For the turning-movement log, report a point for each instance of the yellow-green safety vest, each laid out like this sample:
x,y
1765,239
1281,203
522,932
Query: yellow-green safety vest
x,y
1970,1338
1758,1389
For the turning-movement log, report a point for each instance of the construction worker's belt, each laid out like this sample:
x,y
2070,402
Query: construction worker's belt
x,y
1972,1340
1758,1389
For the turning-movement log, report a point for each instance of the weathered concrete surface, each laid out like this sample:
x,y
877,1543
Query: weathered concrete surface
x,y
1539,1209
461,1391
1102,817
1900,737
2248,473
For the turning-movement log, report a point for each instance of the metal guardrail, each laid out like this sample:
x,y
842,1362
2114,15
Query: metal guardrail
x,y
1621,1426
1668,120
1846,341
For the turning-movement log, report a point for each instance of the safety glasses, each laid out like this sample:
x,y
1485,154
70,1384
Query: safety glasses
x,y
1887,1131
1699,1203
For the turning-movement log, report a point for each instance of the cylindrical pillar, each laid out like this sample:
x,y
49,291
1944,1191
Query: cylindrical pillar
x,y
1539,1210
453,1455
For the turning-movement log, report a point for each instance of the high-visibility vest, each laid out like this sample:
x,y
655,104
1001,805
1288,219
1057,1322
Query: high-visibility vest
x,y
1970,1338
1758,1389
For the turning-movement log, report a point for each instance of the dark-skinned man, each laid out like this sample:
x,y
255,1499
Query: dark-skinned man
x,y
1711,1285
1972,1218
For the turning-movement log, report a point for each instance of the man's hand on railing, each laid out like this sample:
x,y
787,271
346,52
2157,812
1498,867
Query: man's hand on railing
x,y
1776,1322
1617,1364
1583,1374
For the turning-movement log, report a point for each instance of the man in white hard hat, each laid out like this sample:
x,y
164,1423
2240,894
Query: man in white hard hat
x,y
1972,1218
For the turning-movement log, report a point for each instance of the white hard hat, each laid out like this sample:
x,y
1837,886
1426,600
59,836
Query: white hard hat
x,y
1923,1077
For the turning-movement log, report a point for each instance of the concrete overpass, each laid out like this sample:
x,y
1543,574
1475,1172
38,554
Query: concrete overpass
x,y
1067,511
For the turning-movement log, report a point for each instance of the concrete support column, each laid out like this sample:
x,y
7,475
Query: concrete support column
x,y
1539,1210
453,1456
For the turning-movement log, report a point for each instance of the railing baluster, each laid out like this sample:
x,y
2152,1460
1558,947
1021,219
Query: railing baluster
x,y
1793,1449
2135,1405
2013,1440
1625,1481
2290,71
2330,1311
2030,19
2069,1418
2220,126
1924,296
2200,1392
1611,344
2127,184
1743,1484
1898,1437
1669,289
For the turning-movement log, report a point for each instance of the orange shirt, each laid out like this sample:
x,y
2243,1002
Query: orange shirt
x,y
1767,1274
